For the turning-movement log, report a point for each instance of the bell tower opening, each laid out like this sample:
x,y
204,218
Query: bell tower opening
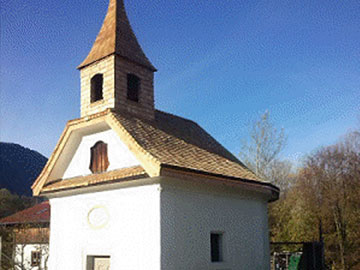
x,y
97,87
133,87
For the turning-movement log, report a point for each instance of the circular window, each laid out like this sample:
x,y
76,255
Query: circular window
x,y
98,217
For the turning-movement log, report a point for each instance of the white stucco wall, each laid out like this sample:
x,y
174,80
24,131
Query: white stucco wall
x,y
189,213
160,226
118,154
128,232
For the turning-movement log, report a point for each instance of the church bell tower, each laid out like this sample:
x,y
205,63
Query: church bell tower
x,y
117,74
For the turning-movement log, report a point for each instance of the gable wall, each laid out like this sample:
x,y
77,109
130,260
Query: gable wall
x,y
130,231
118,154
189,213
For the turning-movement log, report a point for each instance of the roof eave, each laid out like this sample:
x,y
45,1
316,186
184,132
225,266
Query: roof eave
x,y
40,222
253,184
87,63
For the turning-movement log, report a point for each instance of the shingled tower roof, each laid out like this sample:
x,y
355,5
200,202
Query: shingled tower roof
x,y
117,37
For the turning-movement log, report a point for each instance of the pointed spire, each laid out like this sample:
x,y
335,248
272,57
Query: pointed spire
x,y
117,37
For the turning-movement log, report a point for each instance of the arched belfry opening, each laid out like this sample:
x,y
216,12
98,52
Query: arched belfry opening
x,y
133,87
97,82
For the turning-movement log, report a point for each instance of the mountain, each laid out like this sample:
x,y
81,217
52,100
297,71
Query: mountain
x,y
19,167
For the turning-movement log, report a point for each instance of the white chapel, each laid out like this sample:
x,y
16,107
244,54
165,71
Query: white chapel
x,y
135,188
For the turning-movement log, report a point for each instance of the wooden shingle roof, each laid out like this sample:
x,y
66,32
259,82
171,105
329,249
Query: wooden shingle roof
x,y
166,145
178,142
117,37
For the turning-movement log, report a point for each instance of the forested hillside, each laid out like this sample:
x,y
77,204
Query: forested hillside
x,y
19,167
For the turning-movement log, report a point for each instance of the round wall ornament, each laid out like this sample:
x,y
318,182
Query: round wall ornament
x,y
98,217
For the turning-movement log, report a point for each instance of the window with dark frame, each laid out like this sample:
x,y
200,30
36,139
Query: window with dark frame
x,y
216,241
99,161
97,87
133,87
35,258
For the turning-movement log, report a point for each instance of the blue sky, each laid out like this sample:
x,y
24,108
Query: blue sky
x,y
221,63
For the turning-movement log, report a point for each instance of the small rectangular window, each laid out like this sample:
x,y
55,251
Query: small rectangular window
x,y
35,258
216,241
98,262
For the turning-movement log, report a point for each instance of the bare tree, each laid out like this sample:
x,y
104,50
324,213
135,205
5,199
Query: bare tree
x,y
281,174
261,152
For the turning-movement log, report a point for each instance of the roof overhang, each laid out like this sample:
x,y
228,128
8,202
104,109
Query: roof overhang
x,y
29,224
270,191
267,190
